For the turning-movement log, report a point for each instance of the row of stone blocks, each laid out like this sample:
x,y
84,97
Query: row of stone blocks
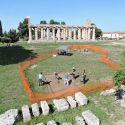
x,y
59,104
88,119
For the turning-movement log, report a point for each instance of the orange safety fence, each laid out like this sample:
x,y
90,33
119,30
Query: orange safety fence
x,y
104,59
86,89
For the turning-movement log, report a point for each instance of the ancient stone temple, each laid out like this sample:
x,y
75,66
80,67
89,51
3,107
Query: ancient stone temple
x,y
51,32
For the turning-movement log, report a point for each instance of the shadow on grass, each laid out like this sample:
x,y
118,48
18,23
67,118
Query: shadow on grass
x,y
14,55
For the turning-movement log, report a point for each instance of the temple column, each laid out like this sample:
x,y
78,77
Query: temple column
x,y
69,34
47,33
64,34
74,35
58,33
36,33
79,33
86,34
42,34
53,32
93,33
83,33
30,34
89,31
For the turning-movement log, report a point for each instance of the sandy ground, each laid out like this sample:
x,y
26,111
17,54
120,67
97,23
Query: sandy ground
x,y
54,85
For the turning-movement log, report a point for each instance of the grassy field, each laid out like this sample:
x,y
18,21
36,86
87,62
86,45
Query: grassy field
x,y
95,70
105,108
12,94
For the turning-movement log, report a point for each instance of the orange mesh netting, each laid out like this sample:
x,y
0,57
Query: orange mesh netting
x,y
102,51
86,89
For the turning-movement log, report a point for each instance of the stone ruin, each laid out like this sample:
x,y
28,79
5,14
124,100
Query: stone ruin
x,y
40,124
52,122
81,99
90,118
61,104
10,116
35,109
123,101
45,107
67,123
108,92
26,113
79,121
71,101
113,92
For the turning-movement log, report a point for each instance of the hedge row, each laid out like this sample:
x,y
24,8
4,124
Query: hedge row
x,y
5,40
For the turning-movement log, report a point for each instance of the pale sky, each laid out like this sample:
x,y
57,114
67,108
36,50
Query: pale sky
x,y
109,15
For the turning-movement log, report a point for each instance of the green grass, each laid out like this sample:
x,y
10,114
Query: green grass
x,y
95,70
12,94
102,107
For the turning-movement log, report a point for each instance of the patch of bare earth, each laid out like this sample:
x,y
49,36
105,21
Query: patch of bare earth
x,y
55,85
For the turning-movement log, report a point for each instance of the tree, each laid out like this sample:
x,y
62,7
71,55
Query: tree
x,y
43,22
98,32
10,37
5,40
119,77
51,21
23,29
1,30
54,22
63,23
13,35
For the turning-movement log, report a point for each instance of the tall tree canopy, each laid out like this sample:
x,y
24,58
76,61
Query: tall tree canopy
x,y
43,22
13,35
23,29
1,30
63,23
52,21
98,32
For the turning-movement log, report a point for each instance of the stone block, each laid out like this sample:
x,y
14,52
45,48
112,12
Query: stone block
x,y
79,121
9,117
108,92
35,109
40,124
80,98
45,107
67,123
26,113
52,122
61,104
90,118
6,120
122,102
71,101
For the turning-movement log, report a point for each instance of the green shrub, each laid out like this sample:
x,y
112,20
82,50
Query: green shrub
x,y
119,77
5,40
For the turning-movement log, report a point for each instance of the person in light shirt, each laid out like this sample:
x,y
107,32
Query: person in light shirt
x,y
66,78
42,79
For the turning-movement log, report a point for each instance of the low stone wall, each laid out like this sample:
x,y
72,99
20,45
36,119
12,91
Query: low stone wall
x,y
88,118
9,117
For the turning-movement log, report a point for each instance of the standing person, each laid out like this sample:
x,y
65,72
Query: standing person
x,y
73,73
84,79
40,79
66,79
57,77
